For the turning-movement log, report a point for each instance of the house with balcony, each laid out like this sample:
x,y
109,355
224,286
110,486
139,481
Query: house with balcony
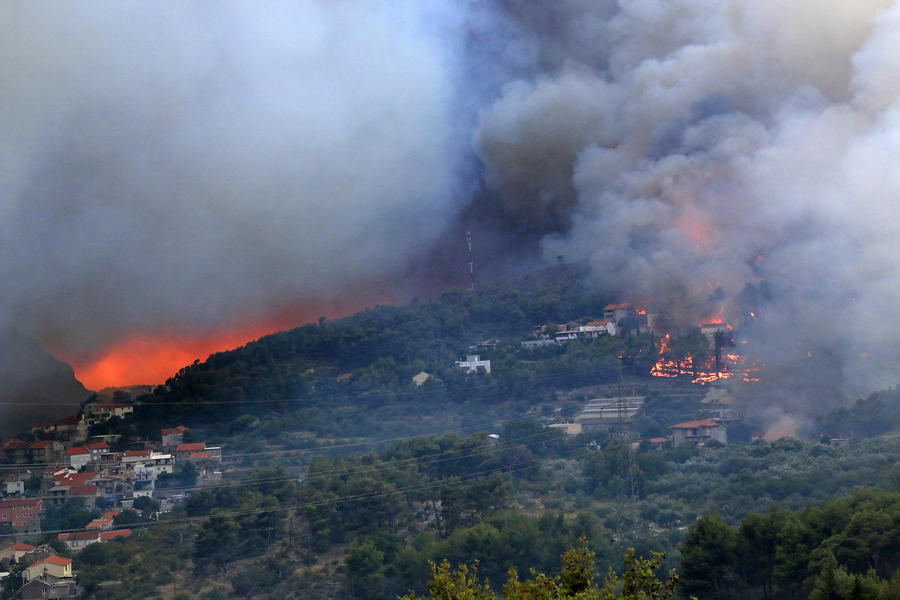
x,y
699,432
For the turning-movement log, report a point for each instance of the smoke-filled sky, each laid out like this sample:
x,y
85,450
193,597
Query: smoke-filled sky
x,y
176,169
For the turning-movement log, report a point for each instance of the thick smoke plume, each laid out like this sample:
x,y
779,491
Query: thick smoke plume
x,y
180,166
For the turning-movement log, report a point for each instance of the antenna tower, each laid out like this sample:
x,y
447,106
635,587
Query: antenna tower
x,y
471,262
628,514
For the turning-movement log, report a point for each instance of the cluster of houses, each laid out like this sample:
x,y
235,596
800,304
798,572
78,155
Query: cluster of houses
x,y
45,573
64,463
616,318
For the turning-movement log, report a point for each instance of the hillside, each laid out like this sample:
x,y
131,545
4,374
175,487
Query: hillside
x,y
36,386
367,361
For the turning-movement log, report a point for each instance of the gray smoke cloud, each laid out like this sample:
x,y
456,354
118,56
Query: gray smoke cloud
x,y
722,156
179,165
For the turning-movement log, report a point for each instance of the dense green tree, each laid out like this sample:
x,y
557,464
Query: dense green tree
x,y
709,560
217,542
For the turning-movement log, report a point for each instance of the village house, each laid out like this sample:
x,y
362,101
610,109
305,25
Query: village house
x,y
65,484
44,427
474,364
596,328
566,335
105,522
106,536
48,452
203,457
618,312
173,437
41,588
132,457
54,566
15,552
699,432
97,449
14,451
77,457
12,483
98,413
36,554
77,541
659,443
23,514
73,430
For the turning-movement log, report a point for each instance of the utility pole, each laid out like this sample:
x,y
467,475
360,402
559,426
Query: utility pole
x,y
471,262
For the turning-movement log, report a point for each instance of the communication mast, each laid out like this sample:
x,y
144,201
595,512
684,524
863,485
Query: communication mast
x,y
471,262
628,514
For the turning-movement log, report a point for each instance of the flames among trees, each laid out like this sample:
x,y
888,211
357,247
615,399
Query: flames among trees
x,y
702,358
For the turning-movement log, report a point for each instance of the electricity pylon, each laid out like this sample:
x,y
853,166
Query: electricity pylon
x,y
628,513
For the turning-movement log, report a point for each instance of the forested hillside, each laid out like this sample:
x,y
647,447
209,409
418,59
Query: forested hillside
x,y
379,350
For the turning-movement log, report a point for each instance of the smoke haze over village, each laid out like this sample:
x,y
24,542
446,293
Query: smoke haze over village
x,y
180,169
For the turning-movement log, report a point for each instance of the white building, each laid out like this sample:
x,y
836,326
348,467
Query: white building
x,y
474,364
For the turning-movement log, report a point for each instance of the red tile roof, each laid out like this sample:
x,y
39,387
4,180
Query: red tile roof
x,y
110,535
97,446
13,444
53,560
191,447
21,546
77,451
696,424
83,490
78,535
74,478
23,503
596,323
138,453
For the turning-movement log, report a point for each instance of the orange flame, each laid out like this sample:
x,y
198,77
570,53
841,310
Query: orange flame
x,y
707,372
150,359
